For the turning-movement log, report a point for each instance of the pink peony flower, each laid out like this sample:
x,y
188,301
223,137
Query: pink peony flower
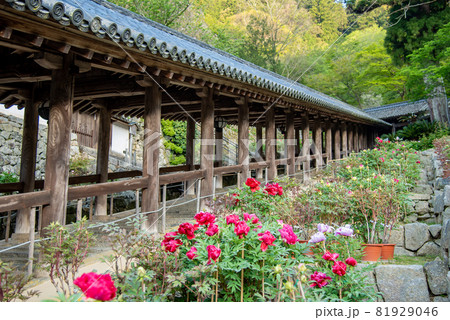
x,y
253,184
213,253
339,268
273,189
204,218
417,161
330,256
232,219
288,235
320,279
96,286
266,239
187,229
212,229
321,227
344,231
351,261
254,219
192,253
241,229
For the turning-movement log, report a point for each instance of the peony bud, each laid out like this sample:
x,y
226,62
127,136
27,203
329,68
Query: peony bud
x,y
278,269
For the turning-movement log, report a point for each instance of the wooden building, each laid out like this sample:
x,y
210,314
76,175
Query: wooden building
x,y
92,57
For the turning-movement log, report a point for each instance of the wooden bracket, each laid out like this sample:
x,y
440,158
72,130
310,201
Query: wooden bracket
x,y
48,60
144,81
5,32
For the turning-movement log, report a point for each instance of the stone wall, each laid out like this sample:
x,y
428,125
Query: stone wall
x,y
11,145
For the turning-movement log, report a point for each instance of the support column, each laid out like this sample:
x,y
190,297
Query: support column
x,y
297,139
219,156
207,143
103,144
350,138
306,147
361,138
318,143
337,142
271,143
243,142
259,149
290,142
190,161
356,138
329,143
150,163
344,139
58,142
28,162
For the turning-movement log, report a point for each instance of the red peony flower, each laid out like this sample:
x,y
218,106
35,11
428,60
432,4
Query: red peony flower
x,y
187,229
339,268
273,189
320,279
212,229
241,229
351,261
96,286
213,253
232,219
253,184
204,218
254,219
288,235
234,199
330,256
172,245
192,253
266,239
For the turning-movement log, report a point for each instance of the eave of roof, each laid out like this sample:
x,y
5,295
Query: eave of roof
x,y
398,109
105,19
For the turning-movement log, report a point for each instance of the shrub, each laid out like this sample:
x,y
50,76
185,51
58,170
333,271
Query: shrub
x,y
12,284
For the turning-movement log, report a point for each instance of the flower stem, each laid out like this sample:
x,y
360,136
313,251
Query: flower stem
x,y
263,280
242,279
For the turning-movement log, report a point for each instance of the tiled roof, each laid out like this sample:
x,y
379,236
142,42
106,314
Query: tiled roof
x,y
107,20
398,109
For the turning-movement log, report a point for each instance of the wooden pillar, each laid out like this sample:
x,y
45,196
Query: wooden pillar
x,y
190,147
350,138
356,138
243,142
58,142
271,143
298,140
329,142
150,163
344,139
28,162
318,143
259,150
306,147
337,142
290,142
361,138
207,143
103,144
219,156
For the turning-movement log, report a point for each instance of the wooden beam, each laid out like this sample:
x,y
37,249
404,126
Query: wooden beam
x,y
344,139
106,188
190,141
24,200
5,32
181,176
48,60
58,143
152,132
318,143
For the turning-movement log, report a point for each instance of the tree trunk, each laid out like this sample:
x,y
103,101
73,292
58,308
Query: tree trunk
x,y
437,103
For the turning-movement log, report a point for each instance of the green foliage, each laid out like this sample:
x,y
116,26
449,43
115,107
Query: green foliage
x,y
79,165
8,177
13,283
63,253
175,140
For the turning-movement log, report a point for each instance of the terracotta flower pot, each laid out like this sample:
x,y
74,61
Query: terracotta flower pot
x,y
372,252
387,251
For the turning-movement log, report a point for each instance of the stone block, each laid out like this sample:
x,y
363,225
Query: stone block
x,y
429,249
422,207
400,251
436,273
398,283
440,299
440,183
416,234
445,238
423,189
435,230
446,216
448,283
398,236
419,197
447,195
438,202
